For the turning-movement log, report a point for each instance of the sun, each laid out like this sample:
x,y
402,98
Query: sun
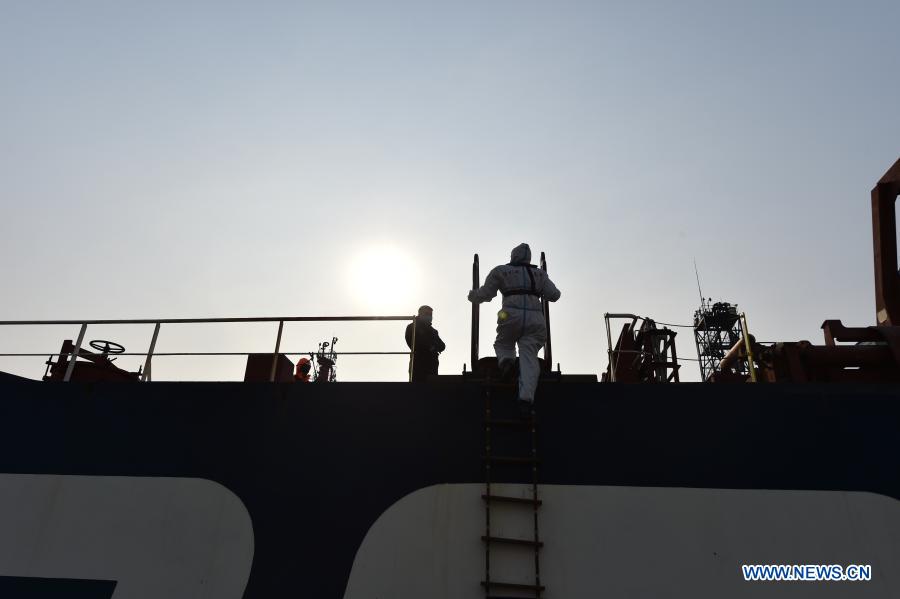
x,y
383,278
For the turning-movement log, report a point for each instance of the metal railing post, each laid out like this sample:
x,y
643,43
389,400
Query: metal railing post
x,y
77,349
548,346
275,354
145,376
750,365
476,321
412,351
612,369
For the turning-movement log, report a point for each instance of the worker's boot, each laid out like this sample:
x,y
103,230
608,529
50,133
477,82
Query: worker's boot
x,y
525,408
507,368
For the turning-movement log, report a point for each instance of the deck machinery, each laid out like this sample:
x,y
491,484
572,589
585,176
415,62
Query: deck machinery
x,y
849,354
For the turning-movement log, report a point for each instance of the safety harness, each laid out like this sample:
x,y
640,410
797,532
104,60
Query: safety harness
x,y
530,291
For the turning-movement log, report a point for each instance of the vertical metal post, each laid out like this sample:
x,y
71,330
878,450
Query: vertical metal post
x,y
548,347
675,368
476,283
697,324
609,352
750,365
275,353
884,240
145,376
74,357
412,349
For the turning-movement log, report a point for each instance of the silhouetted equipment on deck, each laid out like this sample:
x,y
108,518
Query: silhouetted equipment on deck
x,y
884,239
259,368
872,354
325,360
733,367
717,328
92,367
644,354
802,362
875,358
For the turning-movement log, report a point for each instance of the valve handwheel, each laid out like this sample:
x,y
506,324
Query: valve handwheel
x,y
107,347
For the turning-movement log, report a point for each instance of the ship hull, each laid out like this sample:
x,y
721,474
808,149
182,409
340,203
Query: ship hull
x,y
315,467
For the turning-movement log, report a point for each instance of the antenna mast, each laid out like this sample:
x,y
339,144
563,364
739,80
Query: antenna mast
x,y
697,274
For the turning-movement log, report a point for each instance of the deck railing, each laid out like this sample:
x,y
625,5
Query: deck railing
x,y
158,322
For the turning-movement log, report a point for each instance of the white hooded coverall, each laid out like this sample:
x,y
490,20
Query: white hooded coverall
x,y
521,319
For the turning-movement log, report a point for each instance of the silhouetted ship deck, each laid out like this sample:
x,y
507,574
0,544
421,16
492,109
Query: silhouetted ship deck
x,y
116,486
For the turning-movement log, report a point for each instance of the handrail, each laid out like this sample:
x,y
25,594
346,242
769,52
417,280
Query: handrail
x,y
476,313
607,316
206,353
202,320
145,376
548,346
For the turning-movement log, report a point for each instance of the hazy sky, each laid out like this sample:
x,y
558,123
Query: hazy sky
x,y
198,159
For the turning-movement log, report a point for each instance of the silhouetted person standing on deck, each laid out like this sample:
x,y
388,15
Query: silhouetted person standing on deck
x,y
428,345
520,321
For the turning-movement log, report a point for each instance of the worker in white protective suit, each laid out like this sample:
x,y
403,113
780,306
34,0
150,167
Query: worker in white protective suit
x,y
521,319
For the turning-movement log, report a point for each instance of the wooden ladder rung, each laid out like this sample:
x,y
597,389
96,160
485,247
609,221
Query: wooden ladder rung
x,y
520,423
513,586
508,499
506,459
512,541
495,384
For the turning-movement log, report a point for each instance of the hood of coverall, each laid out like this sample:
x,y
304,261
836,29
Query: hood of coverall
x,y
521,254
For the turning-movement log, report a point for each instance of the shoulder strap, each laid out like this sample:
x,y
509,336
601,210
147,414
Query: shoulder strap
x,y
531,277
532,290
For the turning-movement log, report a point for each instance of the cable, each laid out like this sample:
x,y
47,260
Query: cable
x,y
646,353
669,324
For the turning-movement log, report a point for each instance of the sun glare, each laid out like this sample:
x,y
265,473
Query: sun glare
x,y
382,279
